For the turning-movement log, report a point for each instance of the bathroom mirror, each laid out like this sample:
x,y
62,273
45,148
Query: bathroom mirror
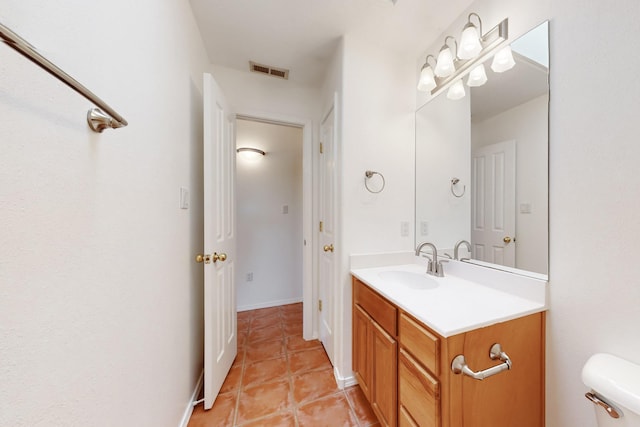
x,y
482,164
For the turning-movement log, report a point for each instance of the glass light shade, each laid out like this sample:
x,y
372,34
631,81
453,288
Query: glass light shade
x,y
470,45
503,60
456,91
444,64
477,76
427,81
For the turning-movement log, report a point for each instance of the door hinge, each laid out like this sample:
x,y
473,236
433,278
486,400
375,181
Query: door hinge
x,y
320,305
321,148
321,226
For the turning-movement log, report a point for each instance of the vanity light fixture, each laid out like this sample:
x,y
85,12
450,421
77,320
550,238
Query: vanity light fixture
x,y
444,65
447,74
503,60
470,45
250,153
427,79
477,76
456,91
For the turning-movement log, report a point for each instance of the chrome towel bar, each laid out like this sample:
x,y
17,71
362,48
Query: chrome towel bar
x,y
97,118
459,365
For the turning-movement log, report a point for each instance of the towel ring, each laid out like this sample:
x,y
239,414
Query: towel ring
x,y
455,181
369,175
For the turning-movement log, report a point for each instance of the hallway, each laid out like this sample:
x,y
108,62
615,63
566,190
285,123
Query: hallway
x,y
279,379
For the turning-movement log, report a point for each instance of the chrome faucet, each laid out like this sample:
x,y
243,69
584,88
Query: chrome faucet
x,y
434,267
457,247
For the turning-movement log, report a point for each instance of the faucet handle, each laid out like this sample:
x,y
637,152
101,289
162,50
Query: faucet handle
x,y
429,266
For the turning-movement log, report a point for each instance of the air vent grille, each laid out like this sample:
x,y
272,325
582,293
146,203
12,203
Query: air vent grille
x,y
269,70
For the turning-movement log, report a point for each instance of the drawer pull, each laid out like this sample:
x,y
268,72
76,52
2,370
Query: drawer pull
x,y
459,365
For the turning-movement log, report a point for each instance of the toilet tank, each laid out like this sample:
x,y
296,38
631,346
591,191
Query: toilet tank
x,y
616,383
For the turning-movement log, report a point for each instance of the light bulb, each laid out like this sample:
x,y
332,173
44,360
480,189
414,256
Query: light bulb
x,y
456,91
503,60
444,65
470,45
427,81
477,76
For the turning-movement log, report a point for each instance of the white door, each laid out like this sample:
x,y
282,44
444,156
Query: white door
x,y
327,228
493,203
220,329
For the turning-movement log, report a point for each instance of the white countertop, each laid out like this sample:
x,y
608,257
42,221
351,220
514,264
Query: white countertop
x,y
467,298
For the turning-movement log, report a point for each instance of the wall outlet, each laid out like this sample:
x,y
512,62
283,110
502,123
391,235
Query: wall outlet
x,y
525,208
249,277
285,209
404,228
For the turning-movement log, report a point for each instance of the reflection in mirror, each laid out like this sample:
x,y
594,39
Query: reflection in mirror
x,y
495,143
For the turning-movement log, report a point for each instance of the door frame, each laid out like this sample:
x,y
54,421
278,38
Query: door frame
x,y
309,192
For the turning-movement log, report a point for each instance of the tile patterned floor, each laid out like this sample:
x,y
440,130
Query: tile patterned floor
x,y
279,379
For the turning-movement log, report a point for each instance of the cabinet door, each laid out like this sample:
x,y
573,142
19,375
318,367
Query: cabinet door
x,y
419,392
384,374
361,345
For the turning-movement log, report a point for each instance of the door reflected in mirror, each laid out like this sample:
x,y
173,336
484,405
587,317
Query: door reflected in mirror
x,y
482,164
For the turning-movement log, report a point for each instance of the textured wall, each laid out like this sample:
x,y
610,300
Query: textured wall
x,y
100,301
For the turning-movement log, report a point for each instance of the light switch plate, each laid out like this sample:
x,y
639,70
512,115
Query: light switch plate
x,y
184,198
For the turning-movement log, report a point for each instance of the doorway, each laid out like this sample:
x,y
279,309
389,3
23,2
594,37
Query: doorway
x,y
273,211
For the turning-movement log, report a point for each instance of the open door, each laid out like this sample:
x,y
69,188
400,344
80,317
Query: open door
x,y
493,203
220,328
327,277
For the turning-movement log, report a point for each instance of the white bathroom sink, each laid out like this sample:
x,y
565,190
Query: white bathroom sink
x,y
409,279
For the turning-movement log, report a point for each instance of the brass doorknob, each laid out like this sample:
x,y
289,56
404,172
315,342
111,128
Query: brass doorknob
x,y
203,258
328,248
219,257
507,240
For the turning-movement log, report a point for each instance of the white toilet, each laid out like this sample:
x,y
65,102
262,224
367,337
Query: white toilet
x,y
615,390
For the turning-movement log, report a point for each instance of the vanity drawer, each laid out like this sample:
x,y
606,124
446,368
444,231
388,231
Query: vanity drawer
x,y
422,344
382,311
419,393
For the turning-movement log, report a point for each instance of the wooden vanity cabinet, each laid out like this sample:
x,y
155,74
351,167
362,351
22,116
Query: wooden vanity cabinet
x,y
404,369
375,351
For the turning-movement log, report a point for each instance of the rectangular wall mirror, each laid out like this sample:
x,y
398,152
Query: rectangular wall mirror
x,y
482,164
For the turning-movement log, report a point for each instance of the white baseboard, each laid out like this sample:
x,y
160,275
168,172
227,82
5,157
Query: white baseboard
x,y
269,304
194,397
344,382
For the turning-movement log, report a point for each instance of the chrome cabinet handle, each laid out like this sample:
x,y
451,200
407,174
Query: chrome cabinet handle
x,y
459,364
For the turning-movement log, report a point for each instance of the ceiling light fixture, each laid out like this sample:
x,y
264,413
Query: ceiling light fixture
x,y
503,60
427,79
477,76
250,153
447,74
444,65
470,45
456,91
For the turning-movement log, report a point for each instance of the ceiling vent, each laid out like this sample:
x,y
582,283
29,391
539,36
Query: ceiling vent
x,y
269,70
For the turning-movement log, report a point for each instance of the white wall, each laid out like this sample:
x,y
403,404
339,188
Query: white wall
x,y
377,122
255,93
100,300
269,241
593,155
527,124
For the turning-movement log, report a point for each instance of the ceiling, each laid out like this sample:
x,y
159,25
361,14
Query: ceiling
x,y
301,35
